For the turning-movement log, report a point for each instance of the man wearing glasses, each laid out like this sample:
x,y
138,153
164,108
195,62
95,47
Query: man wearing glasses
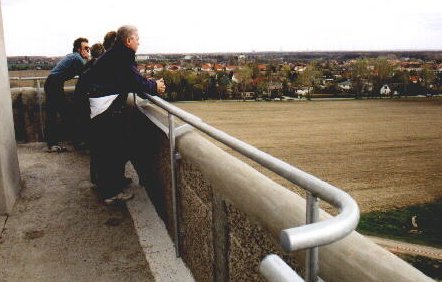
x,y
56,104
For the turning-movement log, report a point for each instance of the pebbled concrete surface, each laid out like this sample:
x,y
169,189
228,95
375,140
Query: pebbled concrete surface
x,y
59,231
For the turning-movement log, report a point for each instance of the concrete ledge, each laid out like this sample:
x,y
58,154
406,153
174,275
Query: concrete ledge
x,y
252,210
157,246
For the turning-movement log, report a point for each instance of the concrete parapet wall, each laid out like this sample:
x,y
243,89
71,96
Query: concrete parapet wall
x,y
230,215
28,105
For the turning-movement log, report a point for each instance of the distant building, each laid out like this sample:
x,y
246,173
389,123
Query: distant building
x,y
385,90
158,67
219,67
235,78
248,95
346,85
303,91
206,67
173,67
242,59
262,68
142,57
231,68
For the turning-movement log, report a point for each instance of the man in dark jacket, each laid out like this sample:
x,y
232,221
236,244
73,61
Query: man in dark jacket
x,y
80,105
70,66
108,82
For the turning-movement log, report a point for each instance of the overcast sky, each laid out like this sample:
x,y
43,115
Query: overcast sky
x,y
49,27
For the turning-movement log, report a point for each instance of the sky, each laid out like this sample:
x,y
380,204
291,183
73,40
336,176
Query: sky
x,y
49,27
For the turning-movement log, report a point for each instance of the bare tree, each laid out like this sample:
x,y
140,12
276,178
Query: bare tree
x,y
381,73
310,77
244,75
360,75
428,77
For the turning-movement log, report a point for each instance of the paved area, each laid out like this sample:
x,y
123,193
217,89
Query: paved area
x,y
60,231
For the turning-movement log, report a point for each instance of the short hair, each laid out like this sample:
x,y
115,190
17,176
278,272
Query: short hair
x,y
77,43
97,49
124,32
109,39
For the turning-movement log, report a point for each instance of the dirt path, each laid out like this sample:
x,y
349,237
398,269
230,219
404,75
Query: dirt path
x,y
407,248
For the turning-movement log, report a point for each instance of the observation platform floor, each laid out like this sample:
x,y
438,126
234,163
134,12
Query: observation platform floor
x,y
58,230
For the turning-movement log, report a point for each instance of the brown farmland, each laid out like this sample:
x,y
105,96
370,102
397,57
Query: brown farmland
x,y
384,153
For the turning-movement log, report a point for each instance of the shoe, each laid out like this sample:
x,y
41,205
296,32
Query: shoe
x,y
120,197
56,148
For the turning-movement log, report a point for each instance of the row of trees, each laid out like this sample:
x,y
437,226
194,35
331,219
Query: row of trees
x,y
368,76
365,75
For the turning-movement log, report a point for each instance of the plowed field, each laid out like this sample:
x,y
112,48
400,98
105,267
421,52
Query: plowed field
x,y
384,153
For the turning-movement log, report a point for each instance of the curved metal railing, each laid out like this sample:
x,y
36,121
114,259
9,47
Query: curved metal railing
x,y
309,236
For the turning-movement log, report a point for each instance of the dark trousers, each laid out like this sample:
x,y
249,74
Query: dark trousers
x,y
109,151
80,114
56,111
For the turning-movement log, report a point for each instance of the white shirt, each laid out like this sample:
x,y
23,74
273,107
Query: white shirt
x,y
101,104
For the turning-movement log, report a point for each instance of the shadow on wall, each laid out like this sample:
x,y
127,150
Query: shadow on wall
x,y
28,106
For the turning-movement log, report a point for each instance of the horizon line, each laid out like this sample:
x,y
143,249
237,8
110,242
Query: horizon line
x,y
258,52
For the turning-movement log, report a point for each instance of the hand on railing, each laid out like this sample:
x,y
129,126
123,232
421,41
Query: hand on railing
x,y
161,87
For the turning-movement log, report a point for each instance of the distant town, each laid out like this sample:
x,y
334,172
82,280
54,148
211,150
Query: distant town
x,y
283,75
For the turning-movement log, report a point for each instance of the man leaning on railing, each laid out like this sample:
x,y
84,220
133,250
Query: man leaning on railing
x,y
107,83
70,66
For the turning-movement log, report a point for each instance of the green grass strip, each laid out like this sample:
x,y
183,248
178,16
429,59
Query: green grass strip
x,y
397,224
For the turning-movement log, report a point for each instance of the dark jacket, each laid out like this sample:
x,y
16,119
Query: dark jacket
x,y
116,72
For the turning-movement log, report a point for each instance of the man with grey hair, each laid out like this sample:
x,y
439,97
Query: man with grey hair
x,y
108,82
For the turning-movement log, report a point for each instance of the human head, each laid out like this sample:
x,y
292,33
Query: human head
x,y
97,49
109,39
128,36
79,44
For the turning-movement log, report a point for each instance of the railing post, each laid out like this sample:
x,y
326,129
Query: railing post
x,y
173,175
40,105
312,254
313,234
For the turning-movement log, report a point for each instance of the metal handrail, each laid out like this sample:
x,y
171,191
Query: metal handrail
x,y
309,236
297,238
33,77
28,78
274,268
